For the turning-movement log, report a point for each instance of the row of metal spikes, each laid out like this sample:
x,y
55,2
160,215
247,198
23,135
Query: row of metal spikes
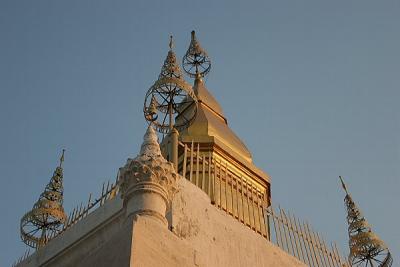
x,y
299,240
241,199
22,258
81,211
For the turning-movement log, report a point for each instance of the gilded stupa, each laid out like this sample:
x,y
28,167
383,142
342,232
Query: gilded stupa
x,y
217,142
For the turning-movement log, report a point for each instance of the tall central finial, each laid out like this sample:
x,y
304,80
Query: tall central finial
x,y
170,67
366,248
196,62
169,96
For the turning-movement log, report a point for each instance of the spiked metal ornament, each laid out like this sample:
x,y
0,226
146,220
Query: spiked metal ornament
x,y
366,248
170,67
196,61
151,114
47,215
169,97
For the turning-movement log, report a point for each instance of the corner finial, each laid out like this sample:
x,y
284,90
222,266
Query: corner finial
x,y
365,246
150,147
149,181
47,216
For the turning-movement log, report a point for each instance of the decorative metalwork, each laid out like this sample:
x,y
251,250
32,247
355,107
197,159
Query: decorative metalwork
x,y
300,240
81,211
170,96
47,215
26,254
366,248
241,199
196,61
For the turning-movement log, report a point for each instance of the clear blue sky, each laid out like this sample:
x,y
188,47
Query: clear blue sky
x,y
312,88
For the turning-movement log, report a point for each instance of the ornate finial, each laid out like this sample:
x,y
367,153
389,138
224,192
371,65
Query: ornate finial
x,y
149,175
366,248
169,96
47,215
196,62
170,68
151,111
150,146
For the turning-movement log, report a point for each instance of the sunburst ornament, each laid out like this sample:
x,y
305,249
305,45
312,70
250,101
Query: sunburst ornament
x,y
47,215
196,61
170,102
366,248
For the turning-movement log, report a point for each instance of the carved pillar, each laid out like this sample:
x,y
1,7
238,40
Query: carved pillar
x,y
148,182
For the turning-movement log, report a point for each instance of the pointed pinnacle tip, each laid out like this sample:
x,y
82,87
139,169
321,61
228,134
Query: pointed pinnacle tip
x,y
171,42
62,157
343,184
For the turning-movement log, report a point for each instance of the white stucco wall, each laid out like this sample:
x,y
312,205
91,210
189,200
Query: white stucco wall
x,y
201,235
219,239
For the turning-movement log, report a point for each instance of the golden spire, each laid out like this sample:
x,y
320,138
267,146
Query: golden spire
x,y
366,248
47,215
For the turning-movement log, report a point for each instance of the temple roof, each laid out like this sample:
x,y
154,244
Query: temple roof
x,y
205,97
210,122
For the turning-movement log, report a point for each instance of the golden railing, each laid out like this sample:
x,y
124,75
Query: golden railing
x,y
239,197
243,200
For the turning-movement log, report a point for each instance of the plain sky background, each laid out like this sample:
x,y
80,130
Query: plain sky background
x,y
311,87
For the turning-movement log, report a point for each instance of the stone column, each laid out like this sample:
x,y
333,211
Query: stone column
x,y
148,182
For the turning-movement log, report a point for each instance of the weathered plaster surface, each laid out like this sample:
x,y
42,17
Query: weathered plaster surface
x,y
201,235
81,239
218,239
159,219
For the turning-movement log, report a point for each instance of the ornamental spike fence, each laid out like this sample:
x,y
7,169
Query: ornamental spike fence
x,y
241,199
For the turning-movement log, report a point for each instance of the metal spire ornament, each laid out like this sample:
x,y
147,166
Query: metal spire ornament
x,y
170,102
196,62
47,215
170,67
366,248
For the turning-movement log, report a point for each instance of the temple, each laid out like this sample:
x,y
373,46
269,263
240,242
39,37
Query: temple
x,y
193,199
